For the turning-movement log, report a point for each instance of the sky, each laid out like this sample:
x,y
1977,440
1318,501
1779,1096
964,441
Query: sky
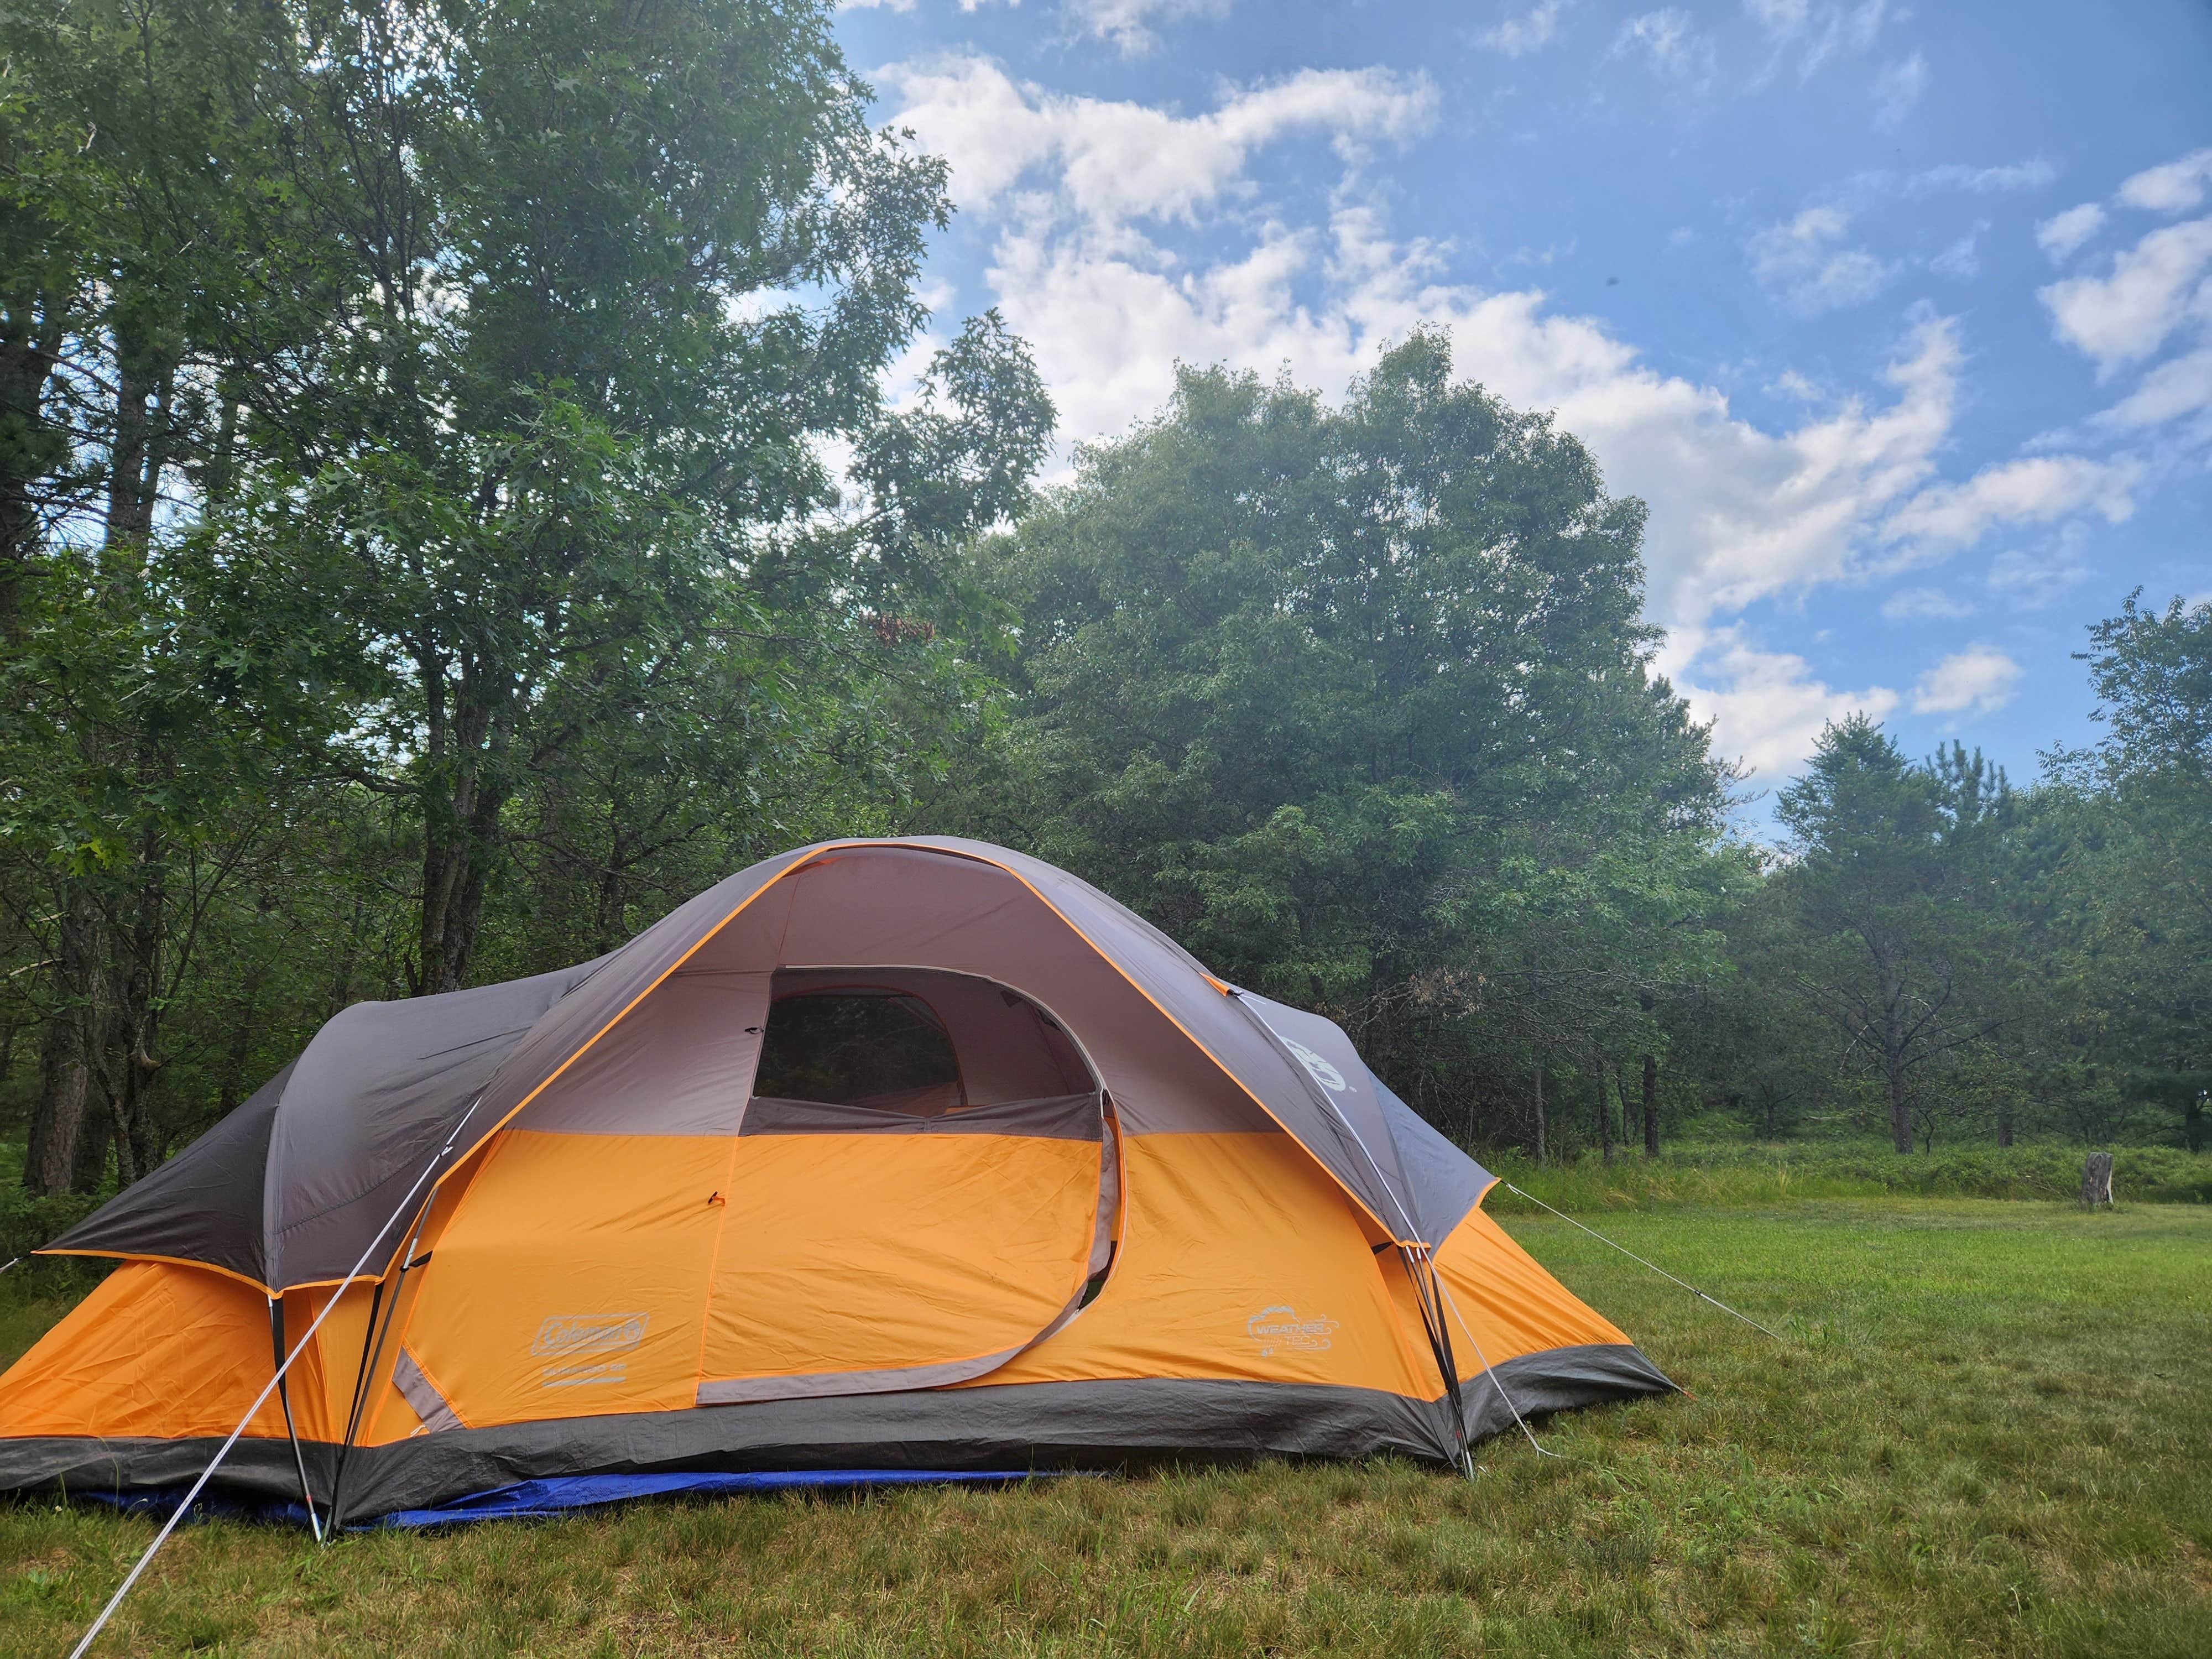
x,y
1900,318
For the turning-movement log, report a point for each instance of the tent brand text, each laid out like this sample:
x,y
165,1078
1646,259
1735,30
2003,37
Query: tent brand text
x,y
1281,1327
577,1333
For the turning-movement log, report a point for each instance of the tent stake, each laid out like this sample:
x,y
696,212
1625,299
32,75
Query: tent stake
x,y
1632,1256
84,1645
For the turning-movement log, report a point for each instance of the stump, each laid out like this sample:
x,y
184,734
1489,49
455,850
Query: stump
x,y
2096,1180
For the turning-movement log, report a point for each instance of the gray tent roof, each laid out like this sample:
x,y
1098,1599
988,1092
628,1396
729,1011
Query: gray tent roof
x,y
292,1188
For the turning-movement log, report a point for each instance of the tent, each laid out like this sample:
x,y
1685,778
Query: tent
x,y
882,1155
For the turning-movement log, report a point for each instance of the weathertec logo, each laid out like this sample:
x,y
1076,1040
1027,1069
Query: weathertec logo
x,y
1281,1327
565,1334
1324,1073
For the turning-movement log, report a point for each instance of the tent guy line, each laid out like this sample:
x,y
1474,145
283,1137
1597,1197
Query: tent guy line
x,y
84,1645
1632,1256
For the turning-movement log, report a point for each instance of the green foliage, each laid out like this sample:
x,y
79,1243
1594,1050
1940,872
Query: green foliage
x,y
486,366
1356,703
454,505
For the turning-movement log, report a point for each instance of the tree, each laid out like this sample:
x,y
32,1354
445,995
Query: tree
x,y
1895,932
408,415
579,422
1358,703
2142,859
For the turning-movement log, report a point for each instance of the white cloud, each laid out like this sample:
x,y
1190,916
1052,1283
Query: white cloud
x,y
1516,37
1667,36
1962,262
2180,387
871,5
2155,287
1896,89
1128,23
2062,233
1916,604
2175,188
1769,714
1116,162
1802,258
1083,199
1979,677
2037,489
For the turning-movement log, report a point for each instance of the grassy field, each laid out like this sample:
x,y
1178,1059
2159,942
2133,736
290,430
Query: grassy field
x,y
1990,1432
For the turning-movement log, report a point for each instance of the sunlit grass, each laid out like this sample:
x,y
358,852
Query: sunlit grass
x,y
1990,1432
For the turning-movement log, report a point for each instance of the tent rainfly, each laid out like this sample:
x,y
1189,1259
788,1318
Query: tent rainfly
x,y
882,1155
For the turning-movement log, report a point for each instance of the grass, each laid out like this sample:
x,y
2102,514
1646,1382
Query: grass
x,y
1989,1433
1732,1172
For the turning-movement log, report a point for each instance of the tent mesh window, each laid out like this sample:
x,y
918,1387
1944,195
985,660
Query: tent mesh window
x,y
858,1047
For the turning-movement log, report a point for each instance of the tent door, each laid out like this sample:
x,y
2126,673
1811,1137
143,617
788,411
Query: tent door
x,y
866,1249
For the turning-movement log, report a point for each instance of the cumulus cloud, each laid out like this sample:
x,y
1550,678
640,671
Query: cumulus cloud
x,y
1532,31
1980,678
2063,233
1921,604
1088,203
1804,259
2176,186
2182,386
1896,89
2154,288
2032,580
1767,707
2036,490
1115,161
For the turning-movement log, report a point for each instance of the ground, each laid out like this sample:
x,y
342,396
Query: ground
x,y
1989,1430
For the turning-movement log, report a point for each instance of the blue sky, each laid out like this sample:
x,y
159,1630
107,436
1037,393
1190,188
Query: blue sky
x,y
1900,318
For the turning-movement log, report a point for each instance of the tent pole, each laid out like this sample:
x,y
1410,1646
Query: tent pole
x,y
1427,1292
371,1358
85,1642
284,1399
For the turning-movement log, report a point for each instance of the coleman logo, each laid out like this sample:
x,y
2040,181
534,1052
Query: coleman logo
x,y
1281,1327
1324,1073
589,1333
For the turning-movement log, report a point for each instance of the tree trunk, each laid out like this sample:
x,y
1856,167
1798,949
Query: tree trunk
x,y
1650,1106
1900,1112
460,829
1539,1113
2004,1124
1604,1108
2097,1180
28,360
138,1016
2192,1123
58,1116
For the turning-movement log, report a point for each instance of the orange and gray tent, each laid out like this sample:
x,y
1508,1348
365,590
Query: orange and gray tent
x,y
1143,1215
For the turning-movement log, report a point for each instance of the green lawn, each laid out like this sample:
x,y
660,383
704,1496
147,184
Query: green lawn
x,y
1990,1433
